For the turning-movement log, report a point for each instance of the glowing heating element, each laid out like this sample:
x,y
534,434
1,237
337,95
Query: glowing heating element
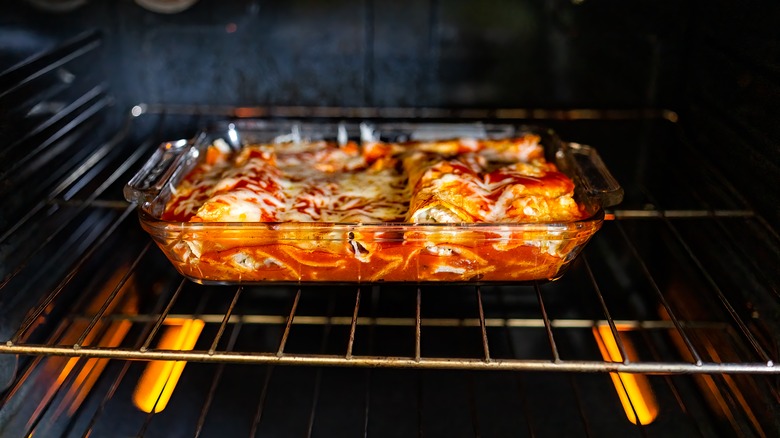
x,y
634,390
160,377
93,367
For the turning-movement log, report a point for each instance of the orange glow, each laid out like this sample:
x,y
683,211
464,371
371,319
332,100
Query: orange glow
x,y
92,368
249,112
634,390
160,377
105,333
714,392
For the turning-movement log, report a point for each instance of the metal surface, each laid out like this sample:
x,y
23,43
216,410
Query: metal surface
x,y
556,364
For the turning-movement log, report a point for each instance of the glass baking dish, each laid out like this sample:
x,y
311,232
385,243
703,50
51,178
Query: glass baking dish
x,y
316,252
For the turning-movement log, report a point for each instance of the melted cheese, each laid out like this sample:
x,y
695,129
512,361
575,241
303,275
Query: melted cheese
x,y
294,183
446,181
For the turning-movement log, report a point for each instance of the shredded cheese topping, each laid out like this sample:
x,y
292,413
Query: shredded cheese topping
x,y
449,181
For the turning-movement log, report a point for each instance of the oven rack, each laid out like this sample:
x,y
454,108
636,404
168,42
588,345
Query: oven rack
x,y
279,357
154,323
761,360
94,193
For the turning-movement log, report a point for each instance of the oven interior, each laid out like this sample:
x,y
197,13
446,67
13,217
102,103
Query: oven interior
x,y
666,325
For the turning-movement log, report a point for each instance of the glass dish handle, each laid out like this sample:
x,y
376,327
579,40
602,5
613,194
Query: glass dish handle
x,y
593,176
161,169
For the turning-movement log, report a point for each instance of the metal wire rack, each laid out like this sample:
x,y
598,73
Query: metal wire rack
x,y
756,355
348,358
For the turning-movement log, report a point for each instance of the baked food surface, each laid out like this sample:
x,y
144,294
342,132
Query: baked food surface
x,y
457,181
285,207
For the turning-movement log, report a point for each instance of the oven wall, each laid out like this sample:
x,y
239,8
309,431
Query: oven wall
x,y
733,96
497,53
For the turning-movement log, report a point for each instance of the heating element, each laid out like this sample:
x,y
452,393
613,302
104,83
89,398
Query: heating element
x,y
667,323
